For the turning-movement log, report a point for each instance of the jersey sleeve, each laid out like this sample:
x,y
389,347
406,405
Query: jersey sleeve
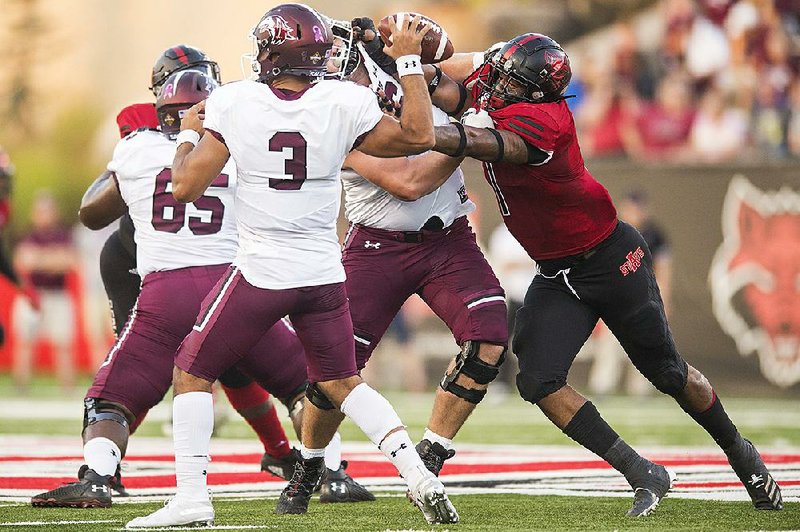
x,y
368,113
536,128
215,121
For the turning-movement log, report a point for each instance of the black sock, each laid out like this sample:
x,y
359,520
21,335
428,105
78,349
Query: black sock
x,y
717,423
590,430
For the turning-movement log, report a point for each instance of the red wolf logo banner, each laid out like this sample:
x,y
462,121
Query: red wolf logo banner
x,y
755,277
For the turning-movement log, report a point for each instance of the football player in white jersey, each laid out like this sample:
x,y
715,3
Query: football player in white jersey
x,y
289,135
408,237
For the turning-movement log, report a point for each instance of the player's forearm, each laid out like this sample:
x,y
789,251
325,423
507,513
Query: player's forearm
x,y
416,121
187,185
480,143
429,172
102,203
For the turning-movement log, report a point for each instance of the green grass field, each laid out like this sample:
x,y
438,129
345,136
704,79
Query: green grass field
x,y
478,512
505,419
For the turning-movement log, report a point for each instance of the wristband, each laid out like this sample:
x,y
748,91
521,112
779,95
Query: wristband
x,y
188,135
409,65
462,142
433,84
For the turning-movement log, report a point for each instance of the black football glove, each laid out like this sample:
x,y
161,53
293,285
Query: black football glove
x,y
373,44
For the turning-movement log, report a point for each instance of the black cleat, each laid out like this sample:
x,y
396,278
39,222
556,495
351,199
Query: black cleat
x,y
90,491
282,467
294,498
649,491
750,468
338,486
433,455
115,483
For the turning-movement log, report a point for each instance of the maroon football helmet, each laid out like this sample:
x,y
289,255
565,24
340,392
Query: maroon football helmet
x,y
533,60
181,57
291,39
181,90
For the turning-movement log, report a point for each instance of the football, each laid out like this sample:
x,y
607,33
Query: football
x,y
436,45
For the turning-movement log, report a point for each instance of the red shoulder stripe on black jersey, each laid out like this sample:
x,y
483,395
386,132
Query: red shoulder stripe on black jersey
x,y
523,130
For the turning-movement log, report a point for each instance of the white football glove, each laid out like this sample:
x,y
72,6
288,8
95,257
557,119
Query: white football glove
x,y
475,118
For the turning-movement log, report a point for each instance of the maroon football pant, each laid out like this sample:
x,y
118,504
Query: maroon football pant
x,y
445,268
138,370
236,318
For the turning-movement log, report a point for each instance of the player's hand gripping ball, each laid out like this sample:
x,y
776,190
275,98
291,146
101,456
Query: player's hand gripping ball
x,y
436,45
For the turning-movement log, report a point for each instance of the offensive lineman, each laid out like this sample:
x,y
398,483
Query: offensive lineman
x,y
408,237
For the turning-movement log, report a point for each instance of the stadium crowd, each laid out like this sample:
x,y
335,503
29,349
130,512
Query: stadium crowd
x,y
720,84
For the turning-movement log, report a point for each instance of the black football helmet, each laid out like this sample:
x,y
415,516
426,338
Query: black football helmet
x,y
181,57
533,60
181,90
291,39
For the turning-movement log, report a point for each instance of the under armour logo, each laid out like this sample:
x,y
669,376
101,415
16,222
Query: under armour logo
x,y
410,64
370,244
113,453
755,480
394,453
339,486
99,487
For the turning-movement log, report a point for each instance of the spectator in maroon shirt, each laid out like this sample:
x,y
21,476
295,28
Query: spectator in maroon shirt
x,y
661,130
43,259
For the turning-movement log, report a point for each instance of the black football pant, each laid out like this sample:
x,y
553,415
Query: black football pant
x,y
613,281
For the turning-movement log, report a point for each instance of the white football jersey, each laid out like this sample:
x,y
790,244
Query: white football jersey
x,y
367,204
289,152
171,235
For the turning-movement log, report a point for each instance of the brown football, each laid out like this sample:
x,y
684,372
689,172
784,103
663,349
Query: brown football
x,y
436,45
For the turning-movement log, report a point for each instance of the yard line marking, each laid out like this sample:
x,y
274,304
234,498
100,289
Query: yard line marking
x,y
46,523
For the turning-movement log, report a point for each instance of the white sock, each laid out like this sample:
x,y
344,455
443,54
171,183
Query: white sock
x,y
434,438
375,416
192,423
333,453
307,453
102,455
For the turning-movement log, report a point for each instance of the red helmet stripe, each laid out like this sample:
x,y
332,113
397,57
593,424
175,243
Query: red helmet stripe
x,y
181,54
528,39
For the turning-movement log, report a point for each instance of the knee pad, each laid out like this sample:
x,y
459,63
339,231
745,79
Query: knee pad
x,y
95,410
294,401
317,398
670,378
534,388
469,363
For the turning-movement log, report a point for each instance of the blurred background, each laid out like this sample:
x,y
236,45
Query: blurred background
x,y
688,112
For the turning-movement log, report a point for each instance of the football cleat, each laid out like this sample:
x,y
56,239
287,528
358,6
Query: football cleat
x,y
295,496
115,483
433,455
90,491
429,496
177,512
649,491
749,467
282,467
338,486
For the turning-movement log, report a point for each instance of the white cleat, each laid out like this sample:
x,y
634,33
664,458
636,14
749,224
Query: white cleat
x,y
177,512
430,497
